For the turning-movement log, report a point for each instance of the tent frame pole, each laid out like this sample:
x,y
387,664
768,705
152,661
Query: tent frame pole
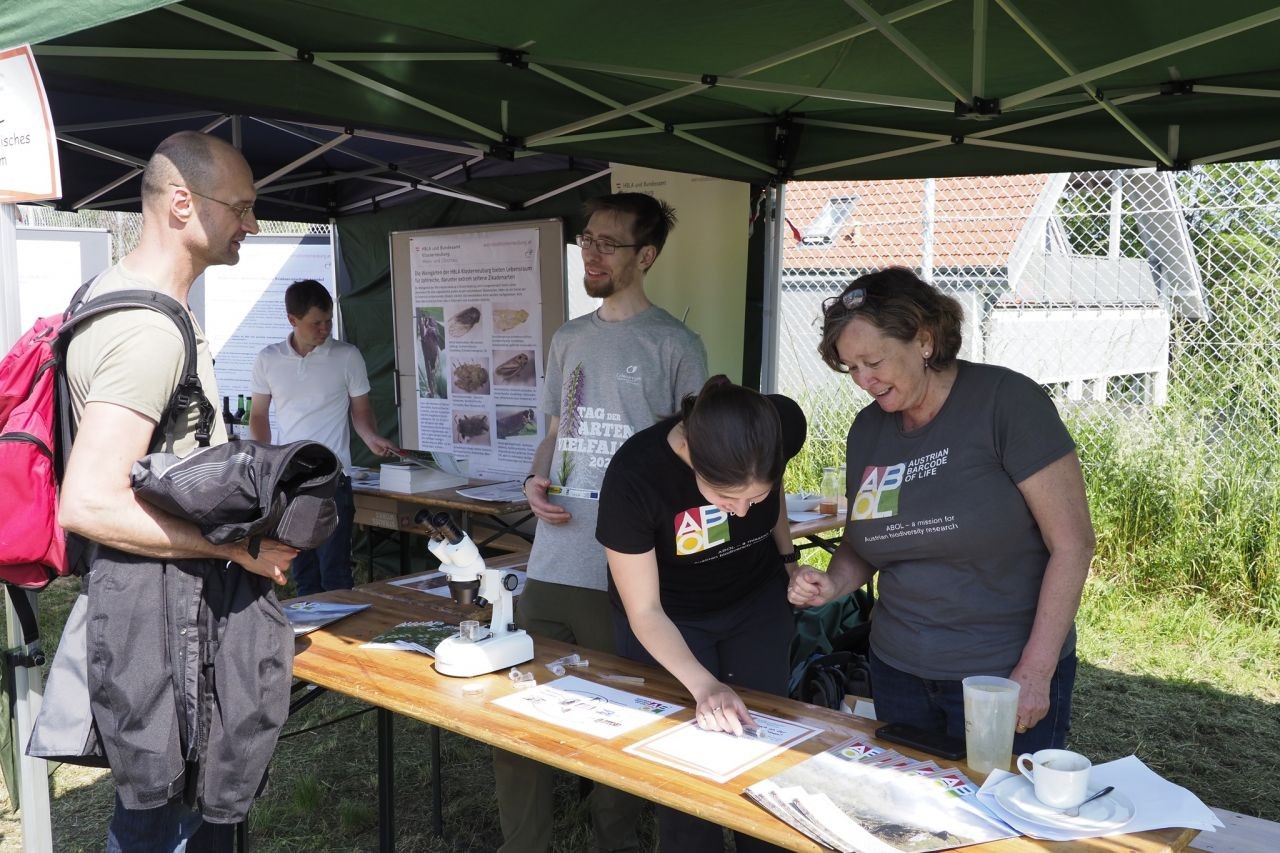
x,y
335,69
655,126
752,68
907,48
1053,53
771,296
1152,55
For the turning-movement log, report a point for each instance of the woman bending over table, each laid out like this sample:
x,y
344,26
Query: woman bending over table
x,y
699,549
965,494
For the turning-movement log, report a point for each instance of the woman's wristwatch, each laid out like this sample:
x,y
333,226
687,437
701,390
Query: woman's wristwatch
x,y
793,557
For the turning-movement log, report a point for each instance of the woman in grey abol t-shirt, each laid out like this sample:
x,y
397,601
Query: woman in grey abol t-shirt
x,y
966,496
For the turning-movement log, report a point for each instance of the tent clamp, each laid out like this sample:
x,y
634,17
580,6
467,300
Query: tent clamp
x,y
305,55
513,59
710,79
668,128
506,150
32,658
978,108
957,139
1178,87
1176,166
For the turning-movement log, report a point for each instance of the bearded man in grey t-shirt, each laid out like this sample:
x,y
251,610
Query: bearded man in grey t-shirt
x,y
609,374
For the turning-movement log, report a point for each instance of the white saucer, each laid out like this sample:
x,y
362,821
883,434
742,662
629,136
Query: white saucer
x,y
1017,795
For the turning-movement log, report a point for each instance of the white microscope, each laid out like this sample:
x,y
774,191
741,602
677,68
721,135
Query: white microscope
x,y
478,650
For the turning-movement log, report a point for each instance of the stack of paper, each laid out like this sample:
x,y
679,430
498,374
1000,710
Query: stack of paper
x,y
416,478
862,798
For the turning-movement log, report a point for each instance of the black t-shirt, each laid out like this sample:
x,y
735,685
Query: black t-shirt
x,y
707,559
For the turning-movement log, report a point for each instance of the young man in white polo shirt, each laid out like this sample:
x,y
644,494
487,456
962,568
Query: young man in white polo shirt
x,y
315,382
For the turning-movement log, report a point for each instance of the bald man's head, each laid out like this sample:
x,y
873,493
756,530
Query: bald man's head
x,y
189,159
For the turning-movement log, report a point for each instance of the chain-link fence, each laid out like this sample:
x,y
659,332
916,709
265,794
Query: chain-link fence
x,y
1127,294
125,228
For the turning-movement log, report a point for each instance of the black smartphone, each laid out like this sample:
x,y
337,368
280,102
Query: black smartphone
x,y
934,743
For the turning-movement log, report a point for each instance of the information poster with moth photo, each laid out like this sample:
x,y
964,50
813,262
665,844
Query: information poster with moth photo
x,y
477,325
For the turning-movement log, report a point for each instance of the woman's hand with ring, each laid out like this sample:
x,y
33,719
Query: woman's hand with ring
x,y
720,710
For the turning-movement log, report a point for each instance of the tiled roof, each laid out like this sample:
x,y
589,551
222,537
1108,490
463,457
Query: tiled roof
x,y
976,221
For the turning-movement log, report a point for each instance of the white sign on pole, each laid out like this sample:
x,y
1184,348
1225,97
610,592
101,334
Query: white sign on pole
x,y
477,322
28,145
53,263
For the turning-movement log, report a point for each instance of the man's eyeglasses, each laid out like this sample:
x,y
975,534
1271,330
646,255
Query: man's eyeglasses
x,y
239,210
601,245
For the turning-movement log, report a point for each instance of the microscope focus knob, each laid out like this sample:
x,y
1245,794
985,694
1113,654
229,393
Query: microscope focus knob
x,y
510,582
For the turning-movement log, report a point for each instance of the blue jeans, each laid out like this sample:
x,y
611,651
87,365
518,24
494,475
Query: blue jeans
x,y
172,828
329,566
938,705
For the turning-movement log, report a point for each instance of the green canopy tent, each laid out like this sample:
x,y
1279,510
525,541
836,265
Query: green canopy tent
x,y
748,90
820,89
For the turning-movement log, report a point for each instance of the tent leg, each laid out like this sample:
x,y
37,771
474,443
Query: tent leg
x,y
33,773
773,221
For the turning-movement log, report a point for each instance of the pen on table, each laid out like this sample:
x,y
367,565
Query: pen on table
x,y
623,679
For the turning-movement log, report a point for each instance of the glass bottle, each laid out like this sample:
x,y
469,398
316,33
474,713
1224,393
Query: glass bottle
x,y
229,419
830,491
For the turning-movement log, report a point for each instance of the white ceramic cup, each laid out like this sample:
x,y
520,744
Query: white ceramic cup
x,y
1060,777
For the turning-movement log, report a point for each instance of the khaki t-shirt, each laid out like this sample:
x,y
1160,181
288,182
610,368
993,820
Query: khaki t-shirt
x,y
134,358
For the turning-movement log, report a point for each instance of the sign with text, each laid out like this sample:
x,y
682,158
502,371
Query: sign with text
x,y
28,145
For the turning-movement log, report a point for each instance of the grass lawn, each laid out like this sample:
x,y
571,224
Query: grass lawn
x,y
1195,695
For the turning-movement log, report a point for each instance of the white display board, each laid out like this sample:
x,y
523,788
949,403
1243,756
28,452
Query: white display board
x,y
53,263
241,307
475,308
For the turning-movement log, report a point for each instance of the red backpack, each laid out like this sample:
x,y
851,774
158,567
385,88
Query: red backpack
x,y
36,431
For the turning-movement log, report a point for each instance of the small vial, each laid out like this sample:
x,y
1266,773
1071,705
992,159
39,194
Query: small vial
x,y
473,688
623,679
580,663
556,668
526,682
515,674
469,630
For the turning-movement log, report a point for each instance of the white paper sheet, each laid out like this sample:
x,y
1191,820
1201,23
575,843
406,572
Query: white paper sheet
x,y
720,755
586,707
1158,803
508,492
434,584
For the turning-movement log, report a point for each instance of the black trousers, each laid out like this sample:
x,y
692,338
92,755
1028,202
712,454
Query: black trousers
x,y
747,644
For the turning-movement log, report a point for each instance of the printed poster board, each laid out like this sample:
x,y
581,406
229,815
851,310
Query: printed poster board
x,y
475,308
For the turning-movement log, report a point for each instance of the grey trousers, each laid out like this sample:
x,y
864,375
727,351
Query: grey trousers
x,y
525,787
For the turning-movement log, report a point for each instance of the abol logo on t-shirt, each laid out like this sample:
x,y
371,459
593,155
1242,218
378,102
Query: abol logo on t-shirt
x,y
877,496
700,528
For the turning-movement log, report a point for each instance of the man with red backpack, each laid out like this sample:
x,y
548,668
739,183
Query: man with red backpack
x,y
152,575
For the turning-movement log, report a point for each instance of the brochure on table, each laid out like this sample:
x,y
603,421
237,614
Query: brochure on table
x,y
414,637
586,707
858,796
477,324
306,616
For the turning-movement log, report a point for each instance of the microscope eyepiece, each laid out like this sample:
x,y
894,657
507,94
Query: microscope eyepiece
x,y
444,524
